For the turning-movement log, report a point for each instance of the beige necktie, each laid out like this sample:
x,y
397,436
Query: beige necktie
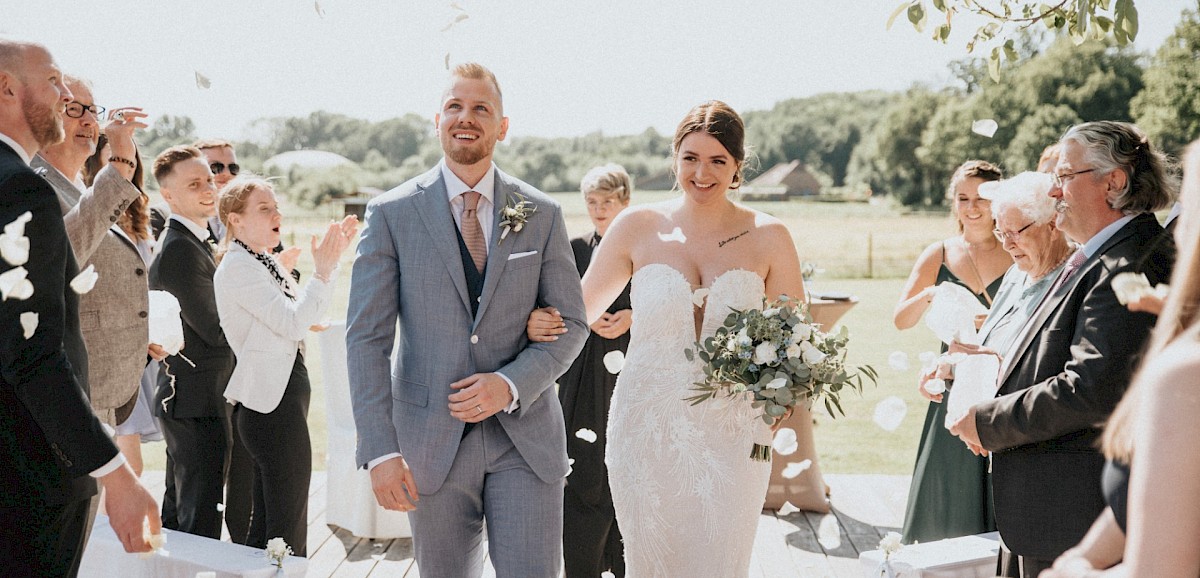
x,y
472,233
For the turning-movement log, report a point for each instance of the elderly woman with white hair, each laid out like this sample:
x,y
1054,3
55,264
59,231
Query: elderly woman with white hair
x,y
1024,213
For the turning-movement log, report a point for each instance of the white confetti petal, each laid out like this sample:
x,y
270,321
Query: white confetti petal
x,y
570,461
17,227
986,127
675,235
202,81
456,20
320,11
927,358
447,61
586,435
787,508
890,412
13,284
898,361
614,361
456,6
607,574
699,295
777,383
220,507
15,250
829,534
1127,286
935,386
796,468
85,280
29,323
785,443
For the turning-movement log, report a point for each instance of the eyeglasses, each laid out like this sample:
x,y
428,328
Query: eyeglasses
x,y
1011,236
218,168
77,109
1060,180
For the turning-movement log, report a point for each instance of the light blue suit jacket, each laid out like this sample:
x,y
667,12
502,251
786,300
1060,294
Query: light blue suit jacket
x,y
409,274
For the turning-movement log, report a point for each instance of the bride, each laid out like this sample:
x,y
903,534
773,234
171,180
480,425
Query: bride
x,y
681,475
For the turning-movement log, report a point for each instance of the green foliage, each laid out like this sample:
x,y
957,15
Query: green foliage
x,y
166,132
1081,20
1169,107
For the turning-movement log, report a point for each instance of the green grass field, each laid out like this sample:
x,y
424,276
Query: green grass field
x,y
845,240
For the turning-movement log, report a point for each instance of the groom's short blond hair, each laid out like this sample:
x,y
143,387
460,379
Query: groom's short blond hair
x,y
474,71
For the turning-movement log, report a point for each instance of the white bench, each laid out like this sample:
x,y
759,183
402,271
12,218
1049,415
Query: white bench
x,y
183,556
964,557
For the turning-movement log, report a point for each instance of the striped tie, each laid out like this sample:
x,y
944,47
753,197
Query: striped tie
x,y
472,233
1072,265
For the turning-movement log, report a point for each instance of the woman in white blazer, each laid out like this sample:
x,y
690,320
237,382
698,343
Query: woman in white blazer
x,y
265,318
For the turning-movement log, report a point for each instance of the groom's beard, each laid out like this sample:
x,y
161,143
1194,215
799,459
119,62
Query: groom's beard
x,y
468,154
44,122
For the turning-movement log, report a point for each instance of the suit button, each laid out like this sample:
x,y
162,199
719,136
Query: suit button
x,y
143,314
139,271
474,339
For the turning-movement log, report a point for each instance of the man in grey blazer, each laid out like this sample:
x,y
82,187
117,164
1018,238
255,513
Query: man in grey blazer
x,y
458,421
89,215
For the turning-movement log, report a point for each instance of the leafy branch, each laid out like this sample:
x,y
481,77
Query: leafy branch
x,y
1083,20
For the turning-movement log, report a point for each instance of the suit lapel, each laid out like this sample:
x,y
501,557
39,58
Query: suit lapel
x,y
186,233
68,195
498,251
434,209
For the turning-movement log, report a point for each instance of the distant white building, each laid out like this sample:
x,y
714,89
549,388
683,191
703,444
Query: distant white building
x,y
283,163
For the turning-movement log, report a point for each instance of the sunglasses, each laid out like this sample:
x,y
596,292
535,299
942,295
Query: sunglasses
x,y
218,168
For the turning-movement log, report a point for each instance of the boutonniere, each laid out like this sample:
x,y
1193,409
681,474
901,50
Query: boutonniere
x,y
513,216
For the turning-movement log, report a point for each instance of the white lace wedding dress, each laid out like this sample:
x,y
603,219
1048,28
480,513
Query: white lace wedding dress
x,y
687,494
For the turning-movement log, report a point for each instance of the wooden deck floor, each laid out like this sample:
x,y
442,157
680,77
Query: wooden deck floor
x,y
866,507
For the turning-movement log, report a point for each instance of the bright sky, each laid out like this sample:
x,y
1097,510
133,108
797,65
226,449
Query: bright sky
x,y
567,67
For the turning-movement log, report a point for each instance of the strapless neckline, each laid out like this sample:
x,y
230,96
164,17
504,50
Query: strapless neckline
x,y
698,295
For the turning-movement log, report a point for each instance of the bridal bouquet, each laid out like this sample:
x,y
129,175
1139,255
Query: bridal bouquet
x,y
779,355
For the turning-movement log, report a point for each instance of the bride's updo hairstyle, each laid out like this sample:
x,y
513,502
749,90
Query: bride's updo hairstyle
x,y
718,120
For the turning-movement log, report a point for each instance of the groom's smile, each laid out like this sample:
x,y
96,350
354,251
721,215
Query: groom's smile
x,y
471,121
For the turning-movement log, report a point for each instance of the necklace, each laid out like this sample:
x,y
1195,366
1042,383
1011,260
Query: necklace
x,y
1066,255
971,261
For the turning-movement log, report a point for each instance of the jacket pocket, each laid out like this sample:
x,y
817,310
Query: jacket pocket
x,y
411,392
89,320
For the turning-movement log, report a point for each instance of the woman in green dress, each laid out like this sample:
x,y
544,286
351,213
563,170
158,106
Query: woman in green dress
x,y
950,493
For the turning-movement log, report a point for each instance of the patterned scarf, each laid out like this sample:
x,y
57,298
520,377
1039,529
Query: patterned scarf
x,y
271,265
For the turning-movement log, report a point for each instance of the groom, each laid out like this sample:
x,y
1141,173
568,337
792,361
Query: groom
x,y
457,421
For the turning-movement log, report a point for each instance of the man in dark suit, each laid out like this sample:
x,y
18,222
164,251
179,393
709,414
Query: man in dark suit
x,y
1072,362
54,446
190,398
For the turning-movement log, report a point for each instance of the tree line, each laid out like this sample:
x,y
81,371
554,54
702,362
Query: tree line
x,y
901,144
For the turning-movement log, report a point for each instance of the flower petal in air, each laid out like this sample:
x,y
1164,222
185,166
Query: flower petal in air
x,y
898,360
796,468
586,435
13,284
699,295
787,508
15,250
829,533
785,443
890,412
17,227
985,127
29,323
614,361
85,280
202,81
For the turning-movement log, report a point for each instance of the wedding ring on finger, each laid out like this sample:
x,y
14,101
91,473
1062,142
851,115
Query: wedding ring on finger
x,y
478,410
119,116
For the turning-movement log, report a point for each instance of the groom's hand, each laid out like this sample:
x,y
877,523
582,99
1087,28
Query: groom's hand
x,y
394,486
479,397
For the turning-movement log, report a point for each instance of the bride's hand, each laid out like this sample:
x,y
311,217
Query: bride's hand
x,y
938,372
781,419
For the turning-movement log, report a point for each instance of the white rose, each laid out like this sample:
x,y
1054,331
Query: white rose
x,y
743,339
794,351
765,353
890,544
811,354
801,332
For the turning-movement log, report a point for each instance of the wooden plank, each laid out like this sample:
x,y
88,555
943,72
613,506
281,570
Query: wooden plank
x,y
807,556
863,537
327,559
770,558
397,560
362,559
